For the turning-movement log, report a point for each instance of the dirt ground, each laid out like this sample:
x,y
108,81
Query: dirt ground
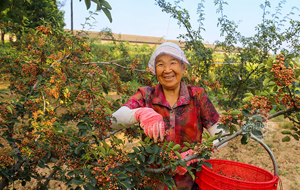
x,y
287,156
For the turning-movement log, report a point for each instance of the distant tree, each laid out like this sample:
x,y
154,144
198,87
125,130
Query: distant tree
x,y
30,14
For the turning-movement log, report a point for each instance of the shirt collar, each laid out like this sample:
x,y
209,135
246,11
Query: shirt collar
x,y
159,97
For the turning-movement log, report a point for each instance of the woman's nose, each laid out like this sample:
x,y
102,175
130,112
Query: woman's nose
x,y
167,69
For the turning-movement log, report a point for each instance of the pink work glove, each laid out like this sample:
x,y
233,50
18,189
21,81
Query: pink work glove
x,y
151,122
181,170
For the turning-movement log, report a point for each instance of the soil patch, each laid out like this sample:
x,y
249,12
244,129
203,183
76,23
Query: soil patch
x,y
286,154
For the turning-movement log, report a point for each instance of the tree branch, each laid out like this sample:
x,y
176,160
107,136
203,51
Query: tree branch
x,y
283,112
111,63
48,179
294,120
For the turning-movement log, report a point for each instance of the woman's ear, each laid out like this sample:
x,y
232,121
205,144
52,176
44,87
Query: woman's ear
x,y
184,67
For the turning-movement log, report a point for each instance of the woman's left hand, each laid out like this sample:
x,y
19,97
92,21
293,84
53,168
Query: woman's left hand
x,y
181,170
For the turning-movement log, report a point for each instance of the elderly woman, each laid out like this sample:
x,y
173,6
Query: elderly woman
x,y
171,105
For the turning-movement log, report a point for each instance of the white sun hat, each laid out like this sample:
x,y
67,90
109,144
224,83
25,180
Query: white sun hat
x,y
167,48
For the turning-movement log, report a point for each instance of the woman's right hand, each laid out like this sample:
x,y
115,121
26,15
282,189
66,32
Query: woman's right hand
x,y
152,123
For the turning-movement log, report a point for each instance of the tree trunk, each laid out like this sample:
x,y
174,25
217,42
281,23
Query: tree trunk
x,y
2,36
72,16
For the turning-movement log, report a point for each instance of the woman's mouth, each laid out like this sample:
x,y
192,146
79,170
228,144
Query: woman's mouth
x,y
169,77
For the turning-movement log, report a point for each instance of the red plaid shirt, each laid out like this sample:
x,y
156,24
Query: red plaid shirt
x,y
185,121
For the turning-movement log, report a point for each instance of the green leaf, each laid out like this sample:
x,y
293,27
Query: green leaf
x,y
178,154
208,164
296,137
135,149
82,125
71,173
191,173
258,117
257,133
151,159
171,144
234,113
122,176
126,184
286,132
147,139
112,152
249,94
77,182
266,81
142,157
88,4
159,160
101,149
107,13
155,149
105,4
246,113
9,109
286,139
130,168
148,149
234,128
176,147
40,77
186,144
105,90
184,149
245,139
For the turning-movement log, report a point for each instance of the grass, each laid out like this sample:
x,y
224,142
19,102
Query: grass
x,y
288,125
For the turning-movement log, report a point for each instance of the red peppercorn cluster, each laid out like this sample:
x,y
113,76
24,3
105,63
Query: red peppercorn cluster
x,y
226,119
5,159
85,96
283,75
215,85
45,29
109,162
261,104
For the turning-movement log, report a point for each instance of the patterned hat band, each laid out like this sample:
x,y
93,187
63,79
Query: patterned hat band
x,y
167,48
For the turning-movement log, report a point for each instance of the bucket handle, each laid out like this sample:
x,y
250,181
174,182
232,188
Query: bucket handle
x,y
228,137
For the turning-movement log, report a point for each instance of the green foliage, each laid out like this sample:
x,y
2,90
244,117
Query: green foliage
x,y
102,5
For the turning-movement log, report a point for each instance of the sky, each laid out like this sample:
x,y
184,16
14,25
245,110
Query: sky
x,y
145,18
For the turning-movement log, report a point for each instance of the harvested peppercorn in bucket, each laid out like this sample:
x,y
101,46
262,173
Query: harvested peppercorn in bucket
x,y
231,175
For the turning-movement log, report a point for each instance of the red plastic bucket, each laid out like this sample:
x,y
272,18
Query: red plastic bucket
x,y
231,175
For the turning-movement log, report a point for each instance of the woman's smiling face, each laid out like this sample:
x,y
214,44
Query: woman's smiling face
x,y
169,71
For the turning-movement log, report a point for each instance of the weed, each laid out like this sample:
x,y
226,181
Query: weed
x,y
259,150
288,125
270,145
285,173
297,169
295,185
